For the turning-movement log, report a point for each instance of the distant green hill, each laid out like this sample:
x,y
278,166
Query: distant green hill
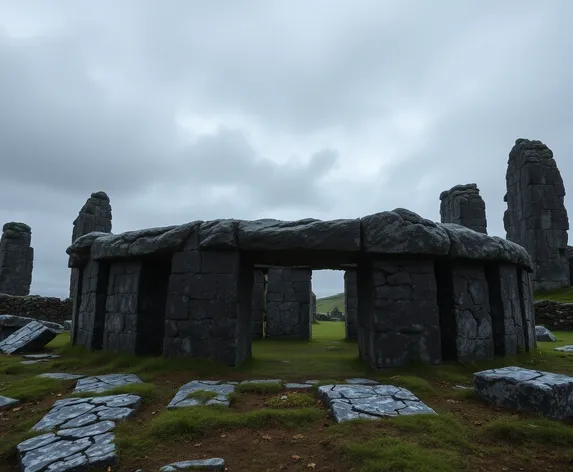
x,y
326,304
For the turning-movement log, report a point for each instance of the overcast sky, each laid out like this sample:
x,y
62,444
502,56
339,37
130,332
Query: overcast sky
x,y
185,110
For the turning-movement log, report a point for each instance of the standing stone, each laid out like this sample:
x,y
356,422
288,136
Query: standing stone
x,y
463,205
350,303
95,215
258,303
536,217
288,303
16,259
570,261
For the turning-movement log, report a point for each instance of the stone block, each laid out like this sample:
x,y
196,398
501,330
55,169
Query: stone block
x,y
32,337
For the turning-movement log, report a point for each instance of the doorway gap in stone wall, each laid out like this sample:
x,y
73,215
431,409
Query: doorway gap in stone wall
x,y
328,287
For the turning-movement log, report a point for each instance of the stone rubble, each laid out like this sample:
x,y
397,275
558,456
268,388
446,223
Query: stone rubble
x,y
535,391
298,386
214,464
222,389
542,334
32,337
350,402
7,402
82,437
103,383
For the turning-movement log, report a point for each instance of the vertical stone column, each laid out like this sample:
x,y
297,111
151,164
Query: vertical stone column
x,y
288,303
536,217
570,261
95,215
463,205
16,259
350,303
258,302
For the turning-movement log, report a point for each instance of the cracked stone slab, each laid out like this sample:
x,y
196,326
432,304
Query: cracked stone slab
x,y
542,334
359,381
564,349
60,376
32,337
9,324
516,388
41,356
214,464
298,386
223,391
103,383
7,402
350,402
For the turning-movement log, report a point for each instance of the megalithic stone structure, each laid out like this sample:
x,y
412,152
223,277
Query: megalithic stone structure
x,y
16,259
536,217
463,205
570,261
259,302
350,304
95,215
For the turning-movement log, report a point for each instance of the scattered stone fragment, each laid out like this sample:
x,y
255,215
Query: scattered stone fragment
x,y
462,387
544,335
214,464
516,388
298,386
312,382
7,402
67,325
183,398
103,383
34,362
564,348
41,356
32,337
262,382
350,402
359,381
61,376
9,324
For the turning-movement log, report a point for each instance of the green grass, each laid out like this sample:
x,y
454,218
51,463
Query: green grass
x,y
259,388
32,388
416,385
563,295
326,304
202,395
536,430
292,400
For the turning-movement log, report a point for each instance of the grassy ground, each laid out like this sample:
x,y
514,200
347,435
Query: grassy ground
x,y
564,295
326,304
264,432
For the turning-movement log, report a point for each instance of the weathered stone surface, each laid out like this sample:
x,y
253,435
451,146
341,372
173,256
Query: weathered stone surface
x,y
262,382
307,234
350,402
202,465
516,388
16,259
9,324
360,381
350,304
463,205
564,349
554,315
536,217
402,231
7,402
45,356
67,325
544,335
184,397
60,376
45,309
298,386
32,337
258,302
103,383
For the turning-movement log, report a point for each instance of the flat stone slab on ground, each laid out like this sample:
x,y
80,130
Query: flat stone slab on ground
x,y
37,361
7,402
262,382
298,386
350,402
41,356
542,334
60,376
221,390
32,337
9,324
359,381
103,383
564,349
214,464
516,388
83,438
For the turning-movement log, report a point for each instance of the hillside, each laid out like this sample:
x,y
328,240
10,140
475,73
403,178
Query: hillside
x,y
326,304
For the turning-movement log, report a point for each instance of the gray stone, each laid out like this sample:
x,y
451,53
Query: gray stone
x,y
41,356
204,465
222,390
16,259
103,383
516,388
67,325
350,402
34,362
32,337
60,376
298,386
463,205
360,381
7,402
9,324
542,334
94,429
564,349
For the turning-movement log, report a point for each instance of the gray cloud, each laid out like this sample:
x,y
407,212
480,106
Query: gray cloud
x,y
258,109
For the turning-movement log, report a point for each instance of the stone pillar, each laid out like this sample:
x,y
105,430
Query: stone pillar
x,y
570,260
536,217
16,259
312,306
464,206
288,303
398,318
350,303
95,215
258,302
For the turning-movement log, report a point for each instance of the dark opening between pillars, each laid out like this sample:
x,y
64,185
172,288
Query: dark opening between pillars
x,y
445,296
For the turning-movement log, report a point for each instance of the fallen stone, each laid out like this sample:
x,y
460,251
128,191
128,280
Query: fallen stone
x,y
516,388
67,325
202,465
350,402
564,349
298,386
312,382
359,381
103,383
183,398
9,324
41,356
60,376
542,334
7,402
32,337
34,362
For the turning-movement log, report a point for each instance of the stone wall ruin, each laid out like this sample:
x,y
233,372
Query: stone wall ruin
x,y
408,273
536,217
350,304
16,259
463,205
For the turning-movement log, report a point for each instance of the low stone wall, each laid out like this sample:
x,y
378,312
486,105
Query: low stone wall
x,y
554,315
41,308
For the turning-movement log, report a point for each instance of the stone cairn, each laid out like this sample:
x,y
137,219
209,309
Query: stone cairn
x,y
350,303
463,205
16,259
536,217
95,215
